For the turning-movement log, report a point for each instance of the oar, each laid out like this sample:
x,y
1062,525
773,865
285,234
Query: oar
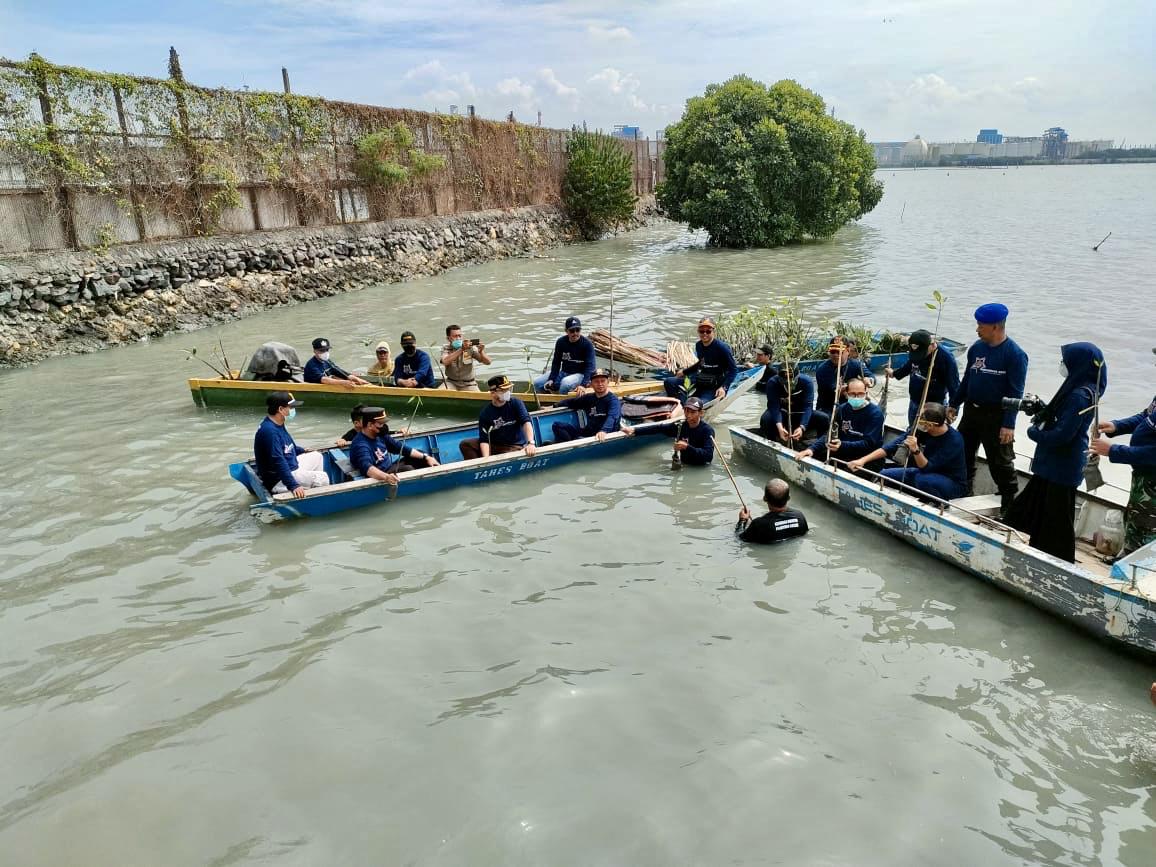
x,y
675,455
835,406
438,362
731,475
530,376
1093,478
1096,249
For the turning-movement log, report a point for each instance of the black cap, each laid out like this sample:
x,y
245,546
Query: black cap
x,y
573,322
600,371
408,335
501,382
321,344
371,413
693,403
278,399
767,350
919,342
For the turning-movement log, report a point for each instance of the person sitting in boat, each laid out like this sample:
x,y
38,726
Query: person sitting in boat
x,y
458,357
572,363
382,366
372,450
789,416
712,375
413,368
935,463
944,373
838,368
858,429
764,355
1046,507
603,411
780,522
693,437
503,426
282,465
346,440
1140,515
319,369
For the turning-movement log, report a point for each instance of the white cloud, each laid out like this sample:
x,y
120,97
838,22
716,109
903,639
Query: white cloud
x,y
602,33
624,86
550,80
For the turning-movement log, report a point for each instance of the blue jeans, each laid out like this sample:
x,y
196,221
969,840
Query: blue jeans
x,y
565,384
930,483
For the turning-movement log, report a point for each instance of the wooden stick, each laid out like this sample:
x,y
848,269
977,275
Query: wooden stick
x,y
835,406
1096,249
727,467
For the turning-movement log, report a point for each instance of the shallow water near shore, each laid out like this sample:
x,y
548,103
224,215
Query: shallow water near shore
x,y
581,666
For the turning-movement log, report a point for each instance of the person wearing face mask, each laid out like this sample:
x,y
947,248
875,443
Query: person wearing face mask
x,y
603,411
936,463
371,453
1046,508
282,465
858,428
779,524
572,363
458,357
839,367
503,426
944,375
319,369
1140,454
714,372
413,368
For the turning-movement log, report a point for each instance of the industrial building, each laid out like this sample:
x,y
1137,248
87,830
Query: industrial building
x,y
989,144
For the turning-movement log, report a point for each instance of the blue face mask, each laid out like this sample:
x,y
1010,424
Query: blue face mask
x,y
456,344
292,413
857,402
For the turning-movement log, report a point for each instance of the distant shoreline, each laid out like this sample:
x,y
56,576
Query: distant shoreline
x,y
1016,165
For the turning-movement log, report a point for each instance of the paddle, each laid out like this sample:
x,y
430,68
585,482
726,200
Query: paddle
x,y
731,475
1093,478
530,376
676,455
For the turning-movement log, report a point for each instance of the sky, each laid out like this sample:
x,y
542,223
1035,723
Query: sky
x,y
938,68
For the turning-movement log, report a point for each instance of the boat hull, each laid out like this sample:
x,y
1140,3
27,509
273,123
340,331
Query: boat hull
x,y
1119,611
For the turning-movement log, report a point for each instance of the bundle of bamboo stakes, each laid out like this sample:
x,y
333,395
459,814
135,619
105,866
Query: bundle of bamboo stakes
x,y
678,353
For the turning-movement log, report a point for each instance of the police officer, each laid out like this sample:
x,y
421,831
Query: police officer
x,y
996,368
944,373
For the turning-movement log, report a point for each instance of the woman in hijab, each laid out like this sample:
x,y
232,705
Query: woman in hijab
x,y
1046,509
384,364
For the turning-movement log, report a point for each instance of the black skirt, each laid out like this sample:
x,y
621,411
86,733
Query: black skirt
x,y
1047,513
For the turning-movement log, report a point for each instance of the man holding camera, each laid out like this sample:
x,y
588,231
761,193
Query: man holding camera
x,y
997,370
458,357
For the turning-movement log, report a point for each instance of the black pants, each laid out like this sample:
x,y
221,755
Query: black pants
x,y
816,427
1047,513
980,426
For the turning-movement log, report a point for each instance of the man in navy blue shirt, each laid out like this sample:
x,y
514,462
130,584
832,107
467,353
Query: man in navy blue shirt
x,y
413,368
858,428
282,465
789,417
372,450
936,463
839,367
693,438
996,368
572,363
603,411
714,372
503,426
944,374
320,370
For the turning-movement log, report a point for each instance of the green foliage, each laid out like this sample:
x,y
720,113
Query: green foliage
x,y
387,158
598,187
797,338
760,166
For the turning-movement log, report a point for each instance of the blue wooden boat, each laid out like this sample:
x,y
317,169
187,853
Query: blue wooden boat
x,y
876,363
350,490
1114,602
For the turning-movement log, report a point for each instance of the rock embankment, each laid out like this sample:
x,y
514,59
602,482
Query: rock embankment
x,y
79,302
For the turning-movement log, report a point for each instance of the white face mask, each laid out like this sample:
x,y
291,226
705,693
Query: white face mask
x,y
292,413
504,396
1063,370
324,356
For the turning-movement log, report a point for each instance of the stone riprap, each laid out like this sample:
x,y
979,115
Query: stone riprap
x,y
63,303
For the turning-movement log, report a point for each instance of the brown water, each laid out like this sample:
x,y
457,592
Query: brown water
x,y
580,667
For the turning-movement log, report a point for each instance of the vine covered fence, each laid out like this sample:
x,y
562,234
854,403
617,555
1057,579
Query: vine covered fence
x,y
93,159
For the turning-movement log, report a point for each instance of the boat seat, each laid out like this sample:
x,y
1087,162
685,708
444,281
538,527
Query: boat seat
x,y
346,467
987,505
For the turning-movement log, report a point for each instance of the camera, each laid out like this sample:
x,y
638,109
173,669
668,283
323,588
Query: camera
x,y
1031,404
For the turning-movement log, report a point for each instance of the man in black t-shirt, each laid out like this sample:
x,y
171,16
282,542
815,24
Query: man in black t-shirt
x,y
778,524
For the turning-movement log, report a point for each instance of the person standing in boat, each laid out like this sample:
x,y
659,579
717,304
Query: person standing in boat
x,y
996,368
372,450
320,370
282,465
572,363
944,373
789,416
603,411
1046,508
382,366
458,357
503,426
693,437
780,522
413,368
1140,454
838,366
712,375
935,465
858,428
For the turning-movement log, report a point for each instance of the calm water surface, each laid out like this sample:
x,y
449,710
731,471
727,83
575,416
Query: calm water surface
x,y
579,667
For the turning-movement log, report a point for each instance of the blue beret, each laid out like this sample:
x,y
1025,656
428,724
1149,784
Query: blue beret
x,y
990,314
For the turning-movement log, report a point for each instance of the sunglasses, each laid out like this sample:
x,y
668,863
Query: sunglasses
x,y
706,331
573,330
384,351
